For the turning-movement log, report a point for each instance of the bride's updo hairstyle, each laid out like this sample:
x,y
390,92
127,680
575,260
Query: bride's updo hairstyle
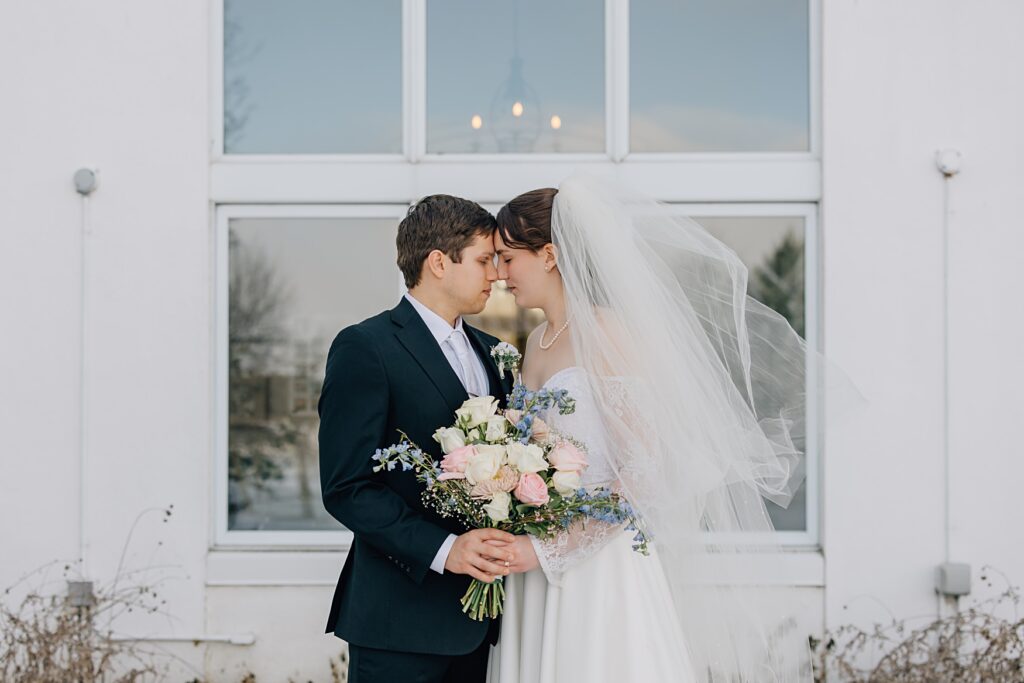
x,y
525,222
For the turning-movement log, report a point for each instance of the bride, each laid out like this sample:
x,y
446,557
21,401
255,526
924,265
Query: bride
x,y
690,400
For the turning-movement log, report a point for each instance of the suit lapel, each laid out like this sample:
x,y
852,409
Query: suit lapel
x,y
497,388
413,334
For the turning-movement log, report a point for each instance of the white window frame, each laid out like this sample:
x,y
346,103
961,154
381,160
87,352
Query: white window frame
x,y
221,536
344,178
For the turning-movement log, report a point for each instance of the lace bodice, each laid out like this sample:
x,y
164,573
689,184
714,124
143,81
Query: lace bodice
x,y
583,425
581,541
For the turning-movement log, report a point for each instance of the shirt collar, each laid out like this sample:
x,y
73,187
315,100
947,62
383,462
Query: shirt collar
x,y
438,326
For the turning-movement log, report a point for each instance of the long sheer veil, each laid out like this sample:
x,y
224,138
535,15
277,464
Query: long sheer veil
x,y
703,393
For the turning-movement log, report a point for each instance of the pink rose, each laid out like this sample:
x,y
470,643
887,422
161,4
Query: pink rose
x,y
454,464
565,457
540,430
532,490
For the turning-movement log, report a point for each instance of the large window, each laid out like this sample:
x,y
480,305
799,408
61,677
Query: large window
x,y
485,77
330,117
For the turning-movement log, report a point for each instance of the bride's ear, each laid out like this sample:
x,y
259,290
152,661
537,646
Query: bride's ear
x,y
550,253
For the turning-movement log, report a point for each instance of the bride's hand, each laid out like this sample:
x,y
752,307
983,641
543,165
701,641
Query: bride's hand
x,y
524,557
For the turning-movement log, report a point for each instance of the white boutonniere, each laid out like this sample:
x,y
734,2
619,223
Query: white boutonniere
x,y
507,357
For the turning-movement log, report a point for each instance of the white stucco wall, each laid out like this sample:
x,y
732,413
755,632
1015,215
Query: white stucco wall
x,y
121,86
902,80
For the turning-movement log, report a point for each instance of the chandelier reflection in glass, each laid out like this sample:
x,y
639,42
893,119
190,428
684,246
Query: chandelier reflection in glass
x,y
515,118
515,114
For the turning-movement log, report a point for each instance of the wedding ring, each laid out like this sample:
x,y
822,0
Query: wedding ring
x,y
506,564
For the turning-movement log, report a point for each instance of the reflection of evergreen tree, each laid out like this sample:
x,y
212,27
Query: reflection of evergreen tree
x,y
779,282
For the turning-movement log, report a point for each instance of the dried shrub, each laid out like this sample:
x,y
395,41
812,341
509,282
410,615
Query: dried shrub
x,y
976,644
50,634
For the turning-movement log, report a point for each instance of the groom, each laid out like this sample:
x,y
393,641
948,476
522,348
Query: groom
x,y
397,600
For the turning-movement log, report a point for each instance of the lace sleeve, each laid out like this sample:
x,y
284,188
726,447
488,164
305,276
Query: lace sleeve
x,y
581,541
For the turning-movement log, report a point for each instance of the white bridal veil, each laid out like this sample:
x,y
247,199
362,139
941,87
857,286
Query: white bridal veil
x,y
703,393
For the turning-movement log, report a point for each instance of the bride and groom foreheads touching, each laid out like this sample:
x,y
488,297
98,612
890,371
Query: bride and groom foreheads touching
x,y
619,337
410,368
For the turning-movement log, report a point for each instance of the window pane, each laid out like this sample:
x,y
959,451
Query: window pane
x,y
294,283
773,251
312,76
515,76
719,76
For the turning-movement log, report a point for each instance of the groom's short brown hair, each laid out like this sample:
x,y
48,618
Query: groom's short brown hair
x,y
439,221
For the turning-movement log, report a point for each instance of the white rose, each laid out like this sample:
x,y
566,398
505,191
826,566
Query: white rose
x,y
475,411
496,427
499,506
497,450
485,464
566,482
506,348
527,457
450,438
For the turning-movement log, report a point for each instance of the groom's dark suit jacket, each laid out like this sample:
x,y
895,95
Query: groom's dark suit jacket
x,y
384,374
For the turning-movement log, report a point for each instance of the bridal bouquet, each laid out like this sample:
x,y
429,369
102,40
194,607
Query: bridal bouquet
x,y
508,470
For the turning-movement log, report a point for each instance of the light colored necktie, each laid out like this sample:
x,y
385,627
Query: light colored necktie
x,y
460,343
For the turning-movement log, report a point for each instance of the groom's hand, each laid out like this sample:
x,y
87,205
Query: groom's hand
x,y
470,554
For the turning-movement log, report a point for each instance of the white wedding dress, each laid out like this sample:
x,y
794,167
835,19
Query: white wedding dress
x,y
596,610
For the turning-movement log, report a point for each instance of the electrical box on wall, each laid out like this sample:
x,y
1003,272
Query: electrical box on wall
x,y
953,579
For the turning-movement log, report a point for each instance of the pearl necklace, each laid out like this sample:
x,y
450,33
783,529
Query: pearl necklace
x,y
553,339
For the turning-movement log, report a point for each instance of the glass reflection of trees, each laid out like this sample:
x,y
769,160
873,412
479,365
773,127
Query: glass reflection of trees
x,y
273,389
778,282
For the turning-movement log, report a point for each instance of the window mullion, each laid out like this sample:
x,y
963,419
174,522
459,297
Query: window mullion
x,y
617,78
414,77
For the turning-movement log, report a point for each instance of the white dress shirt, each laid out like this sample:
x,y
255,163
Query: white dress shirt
x,y
473,378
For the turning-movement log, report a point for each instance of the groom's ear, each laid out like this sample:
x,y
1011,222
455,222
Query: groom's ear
x,y
435,264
